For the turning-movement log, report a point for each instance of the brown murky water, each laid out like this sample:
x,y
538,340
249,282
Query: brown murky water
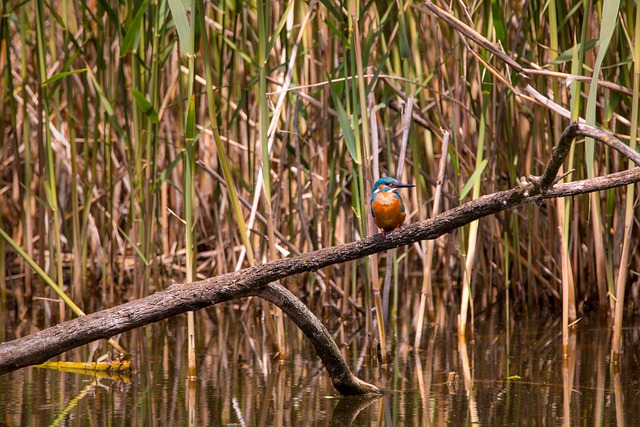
x,y
506,376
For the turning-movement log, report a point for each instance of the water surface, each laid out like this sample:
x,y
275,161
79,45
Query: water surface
x,y
513,375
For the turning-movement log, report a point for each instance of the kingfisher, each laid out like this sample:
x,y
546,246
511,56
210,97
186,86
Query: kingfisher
x,y
387,207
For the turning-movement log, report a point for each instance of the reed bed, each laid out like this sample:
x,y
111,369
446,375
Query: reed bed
x,y
149,140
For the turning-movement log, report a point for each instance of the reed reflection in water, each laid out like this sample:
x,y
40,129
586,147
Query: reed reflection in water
x,y
513,375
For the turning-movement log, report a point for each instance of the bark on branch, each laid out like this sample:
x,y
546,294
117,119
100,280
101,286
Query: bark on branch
x,y
259,280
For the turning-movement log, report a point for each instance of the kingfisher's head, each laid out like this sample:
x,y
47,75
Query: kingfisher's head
x,y
388,184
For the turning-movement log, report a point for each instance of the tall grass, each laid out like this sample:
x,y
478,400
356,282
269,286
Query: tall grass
x,y
629,218
129,157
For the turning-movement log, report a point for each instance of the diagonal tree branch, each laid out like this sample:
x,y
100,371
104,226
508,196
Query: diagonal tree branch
x,y
258,280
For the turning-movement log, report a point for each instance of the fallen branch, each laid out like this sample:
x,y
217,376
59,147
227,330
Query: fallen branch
x,y
259,280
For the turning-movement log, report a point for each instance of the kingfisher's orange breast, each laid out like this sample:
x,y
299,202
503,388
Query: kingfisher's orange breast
x,y
387,211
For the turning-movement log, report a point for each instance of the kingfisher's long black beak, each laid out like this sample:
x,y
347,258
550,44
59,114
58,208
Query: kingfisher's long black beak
x,y
401,185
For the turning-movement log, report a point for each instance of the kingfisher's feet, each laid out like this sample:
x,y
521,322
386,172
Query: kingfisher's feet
x,y
384,233
381,233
